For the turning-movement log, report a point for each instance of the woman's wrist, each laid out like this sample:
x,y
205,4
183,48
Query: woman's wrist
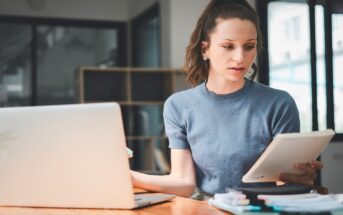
x,y
133,178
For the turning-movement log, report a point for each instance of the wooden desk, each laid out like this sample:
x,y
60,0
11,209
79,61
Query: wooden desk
x,y
178,206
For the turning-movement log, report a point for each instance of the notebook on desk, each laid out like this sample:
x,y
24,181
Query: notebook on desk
x,y
66,156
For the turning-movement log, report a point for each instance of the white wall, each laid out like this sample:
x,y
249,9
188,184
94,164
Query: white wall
x,y
137,7
112,10
183,17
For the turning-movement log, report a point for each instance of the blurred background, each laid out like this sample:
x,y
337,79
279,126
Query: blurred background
x,y
130,51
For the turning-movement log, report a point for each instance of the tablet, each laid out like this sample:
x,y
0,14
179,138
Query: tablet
x,y
286,150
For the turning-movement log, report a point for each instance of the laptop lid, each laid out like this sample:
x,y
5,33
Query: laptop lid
x,y
64,156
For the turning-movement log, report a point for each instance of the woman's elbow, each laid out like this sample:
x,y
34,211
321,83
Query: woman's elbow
x,y
188,190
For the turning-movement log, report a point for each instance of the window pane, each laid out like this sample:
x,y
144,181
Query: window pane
x,y
289,54
61,51
337,46
321,79
15,67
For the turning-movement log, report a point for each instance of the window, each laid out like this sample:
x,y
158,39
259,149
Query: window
x,y
41,56
61,50
337,47
292,27
304,52
15,68
289,61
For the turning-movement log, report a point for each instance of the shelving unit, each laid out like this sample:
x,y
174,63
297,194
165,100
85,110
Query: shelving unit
x,y
141,93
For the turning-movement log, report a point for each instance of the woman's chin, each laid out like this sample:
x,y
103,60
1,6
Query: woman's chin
x,y
235,78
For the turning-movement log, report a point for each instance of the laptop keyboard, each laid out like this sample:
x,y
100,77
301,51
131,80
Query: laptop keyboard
x,y
137,198
151,198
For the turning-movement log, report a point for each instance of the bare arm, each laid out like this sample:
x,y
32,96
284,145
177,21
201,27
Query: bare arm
x,y
180,181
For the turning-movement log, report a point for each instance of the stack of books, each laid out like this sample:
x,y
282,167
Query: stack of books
x,y
238,202
233,201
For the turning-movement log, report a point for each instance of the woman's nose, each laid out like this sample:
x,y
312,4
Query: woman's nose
x,y
238,55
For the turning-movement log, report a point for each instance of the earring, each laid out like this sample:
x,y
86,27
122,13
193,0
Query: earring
x,y
204,57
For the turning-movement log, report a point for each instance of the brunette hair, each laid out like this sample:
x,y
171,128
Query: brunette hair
x,y
195,67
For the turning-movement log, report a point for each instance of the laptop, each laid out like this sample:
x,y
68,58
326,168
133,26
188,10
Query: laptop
x,y
70,156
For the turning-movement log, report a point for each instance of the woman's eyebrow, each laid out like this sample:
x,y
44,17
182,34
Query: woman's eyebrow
x,y
231,40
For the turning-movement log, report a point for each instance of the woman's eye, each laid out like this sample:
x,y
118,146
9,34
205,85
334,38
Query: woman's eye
x,y
250,47
228,46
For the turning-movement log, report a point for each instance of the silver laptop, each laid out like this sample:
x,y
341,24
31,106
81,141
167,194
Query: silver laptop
x,y
66,156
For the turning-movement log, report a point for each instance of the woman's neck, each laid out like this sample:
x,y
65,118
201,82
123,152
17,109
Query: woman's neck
x,y
224,87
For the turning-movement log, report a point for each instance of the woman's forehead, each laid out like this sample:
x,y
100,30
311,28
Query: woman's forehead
x,y
234,29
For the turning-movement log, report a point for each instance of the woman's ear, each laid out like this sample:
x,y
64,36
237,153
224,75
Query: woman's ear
x,y
204,47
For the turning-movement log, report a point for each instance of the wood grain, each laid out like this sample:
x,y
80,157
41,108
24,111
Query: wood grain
x,y
177,206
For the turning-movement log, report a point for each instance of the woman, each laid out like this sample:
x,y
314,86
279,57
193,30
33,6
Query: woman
x,y
219,128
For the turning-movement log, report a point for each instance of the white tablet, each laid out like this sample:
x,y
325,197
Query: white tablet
x,y
285,151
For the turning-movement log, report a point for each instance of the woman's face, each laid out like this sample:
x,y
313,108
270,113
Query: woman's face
x,y
231,49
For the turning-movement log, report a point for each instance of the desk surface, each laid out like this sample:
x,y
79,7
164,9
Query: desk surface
x,y
176,206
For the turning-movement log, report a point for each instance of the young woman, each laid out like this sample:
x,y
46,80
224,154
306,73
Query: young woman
x,y
219,128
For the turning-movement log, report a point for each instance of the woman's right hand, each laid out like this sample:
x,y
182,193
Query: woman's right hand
x,y
181,180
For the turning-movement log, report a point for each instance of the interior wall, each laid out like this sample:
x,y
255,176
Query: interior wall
x,y
184,15
332,173
111,10
137,7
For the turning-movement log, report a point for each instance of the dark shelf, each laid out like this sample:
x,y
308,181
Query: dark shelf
x,y
150,86
105,86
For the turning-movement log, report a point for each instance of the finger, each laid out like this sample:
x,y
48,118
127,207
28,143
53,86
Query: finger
x,y
309,172
279,183
291,178
316,164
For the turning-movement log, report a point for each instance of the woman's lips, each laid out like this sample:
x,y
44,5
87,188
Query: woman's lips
x,y
237,69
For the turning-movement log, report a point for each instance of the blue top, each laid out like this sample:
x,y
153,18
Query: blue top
x,y
227,133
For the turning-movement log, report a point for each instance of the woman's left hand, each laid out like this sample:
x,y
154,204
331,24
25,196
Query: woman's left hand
x,y
310,173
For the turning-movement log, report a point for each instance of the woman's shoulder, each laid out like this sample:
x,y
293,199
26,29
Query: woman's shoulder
x,y
272,101
184,100
264,92
184,96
